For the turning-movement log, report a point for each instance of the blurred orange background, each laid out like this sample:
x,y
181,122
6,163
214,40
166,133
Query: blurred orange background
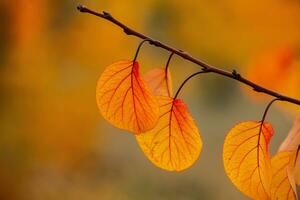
x,y
55,145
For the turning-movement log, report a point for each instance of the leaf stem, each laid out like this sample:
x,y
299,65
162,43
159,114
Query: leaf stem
x,y
264,117
139,48
268,107
168,62
232,75
297,153
186,80
166,73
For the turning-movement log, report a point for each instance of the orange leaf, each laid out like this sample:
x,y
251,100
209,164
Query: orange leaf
x,y
124,99
174,144
283,185
246,158
159,81
291,143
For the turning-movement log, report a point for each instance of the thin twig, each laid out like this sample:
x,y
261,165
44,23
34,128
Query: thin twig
x,y
206,67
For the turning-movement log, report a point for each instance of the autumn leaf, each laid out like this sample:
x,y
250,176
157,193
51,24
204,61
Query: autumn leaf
x,y
291,143
247,160
160,82
174,144
124,99
283,185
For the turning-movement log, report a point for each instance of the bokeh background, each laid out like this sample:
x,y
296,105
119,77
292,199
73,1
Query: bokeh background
x,y
54,145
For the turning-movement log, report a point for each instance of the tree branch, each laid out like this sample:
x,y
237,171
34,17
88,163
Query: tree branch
x,y
205,67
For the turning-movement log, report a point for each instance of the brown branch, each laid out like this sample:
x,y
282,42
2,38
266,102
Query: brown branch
x,y
205,67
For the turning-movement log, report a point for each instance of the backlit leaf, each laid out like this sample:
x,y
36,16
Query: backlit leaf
x,y
247,160
291,143
283,185
124,99
159,81
174,144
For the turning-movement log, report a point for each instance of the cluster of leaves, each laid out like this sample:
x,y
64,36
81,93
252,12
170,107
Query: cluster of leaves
x,y
144,106
164,129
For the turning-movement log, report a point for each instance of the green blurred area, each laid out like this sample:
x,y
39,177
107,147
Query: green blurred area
x,y
53,142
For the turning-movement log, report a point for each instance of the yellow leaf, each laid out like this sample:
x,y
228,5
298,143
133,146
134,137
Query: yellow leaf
x,y
291,143
247,160
159,81
283,185
174,144
124,99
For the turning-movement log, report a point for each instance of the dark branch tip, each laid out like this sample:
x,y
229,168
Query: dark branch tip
x,y
205,69
106,14
127,31
236,74
256,90
154,42
183,52
81,8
